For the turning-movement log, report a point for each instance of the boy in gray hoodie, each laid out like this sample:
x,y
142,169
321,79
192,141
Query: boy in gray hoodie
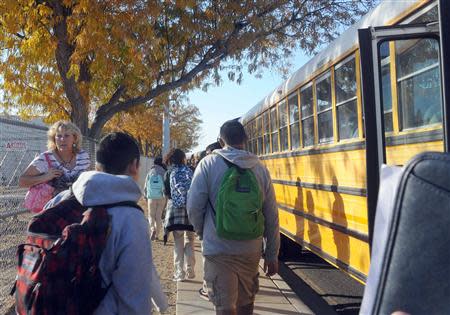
x,y
126,263
231,266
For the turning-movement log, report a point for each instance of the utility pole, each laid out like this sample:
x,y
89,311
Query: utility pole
x,y
166,130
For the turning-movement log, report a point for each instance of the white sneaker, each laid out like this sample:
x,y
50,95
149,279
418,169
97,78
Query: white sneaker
x,y
178,278
190,274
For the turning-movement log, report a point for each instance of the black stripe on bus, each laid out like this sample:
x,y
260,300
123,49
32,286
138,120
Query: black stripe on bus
x,y
433,135
333,188
339,148
340,264
358,235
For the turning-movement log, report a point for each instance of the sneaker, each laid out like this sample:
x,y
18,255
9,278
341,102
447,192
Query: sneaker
x,y
203,294
153,235
190,274
178,278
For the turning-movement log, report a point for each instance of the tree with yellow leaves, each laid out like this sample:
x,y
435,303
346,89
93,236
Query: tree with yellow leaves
x,y
88,60
144,123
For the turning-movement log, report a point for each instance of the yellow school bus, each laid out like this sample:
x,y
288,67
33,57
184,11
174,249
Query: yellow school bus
x,y
373,96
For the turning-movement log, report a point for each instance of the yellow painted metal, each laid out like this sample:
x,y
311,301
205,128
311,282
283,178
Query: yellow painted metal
x,y
347,211
400,154
393,73
345,169
349,250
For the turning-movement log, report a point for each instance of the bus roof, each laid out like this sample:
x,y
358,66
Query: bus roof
x,y
383,14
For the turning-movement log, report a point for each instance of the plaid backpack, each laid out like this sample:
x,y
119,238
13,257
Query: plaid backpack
x,y
57,269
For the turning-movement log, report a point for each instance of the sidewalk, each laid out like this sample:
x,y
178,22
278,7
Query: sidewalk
x,y
274,296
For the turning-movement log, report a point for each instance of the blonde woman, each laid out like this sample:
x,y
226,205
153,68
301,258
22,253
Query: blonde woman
x,y
61,165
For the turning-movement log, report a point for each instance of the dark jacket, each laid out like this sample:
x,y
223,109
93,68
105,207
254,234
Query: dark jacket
x,y
167,183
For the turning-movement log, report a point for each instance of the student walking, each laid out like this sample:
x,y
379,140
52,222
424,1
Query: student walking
x,y
178,180
232,206
128,274
154,193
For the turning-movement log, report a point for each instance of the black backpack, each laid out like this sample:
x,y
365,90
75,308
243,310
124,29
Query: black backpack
x,y
57,270
410,269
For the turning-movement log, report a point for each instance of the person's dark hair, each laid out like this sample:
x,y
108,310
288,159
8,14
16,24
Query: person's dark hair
x,y
233,133
116,151
175,157
212,147
158,161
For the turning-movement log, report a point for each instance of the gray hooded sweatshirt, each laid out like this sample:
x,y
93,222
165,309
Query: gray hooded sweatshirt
x,y
205,184
126,262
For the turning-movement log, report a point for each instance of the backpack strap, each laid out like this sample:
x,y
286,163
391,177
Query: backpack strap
x,y
48,160
229,164
122,204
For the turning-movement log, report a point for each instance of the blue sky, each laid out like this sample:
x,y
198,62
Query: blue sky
x,y
231,100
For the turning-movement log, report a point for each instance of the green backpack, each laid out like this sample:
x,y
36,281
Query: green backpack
x,y
239,205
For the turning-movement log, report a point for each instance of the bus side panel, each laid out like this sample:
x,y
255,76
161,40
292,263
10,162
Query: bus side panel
x,y
400,154
342,169
322,205
344,251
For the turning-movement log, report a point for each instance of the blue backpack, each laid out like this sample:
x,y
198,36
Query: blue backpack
x,y
155,185
180,182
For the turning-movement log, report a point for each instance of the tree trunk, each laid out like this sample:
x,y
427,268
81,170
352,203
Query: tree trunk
x,y
80,118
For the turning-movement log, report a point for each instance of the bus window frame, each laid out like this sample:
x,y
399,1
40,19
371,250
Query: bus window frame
x,y
266,115
325,75
274,108
311,116
347,101
279,104
294,94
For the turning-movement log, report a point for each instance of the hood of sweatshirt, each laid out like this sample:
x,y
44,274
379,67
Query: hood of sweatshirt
x,y
97,188
157,170
241,158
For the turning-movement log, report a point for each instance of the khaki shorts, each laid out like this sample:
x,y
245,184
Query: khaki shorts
x,y
232,280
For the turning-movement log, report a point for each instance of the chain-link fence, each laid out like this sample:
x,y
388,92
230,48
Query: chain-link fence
x,y
20,142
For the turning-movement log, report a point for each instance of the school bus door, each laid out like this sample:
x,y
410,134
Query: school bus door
x,y
434,62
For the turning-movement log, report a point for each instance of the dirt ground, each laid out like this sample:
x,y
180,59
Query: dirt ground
x,y
163,260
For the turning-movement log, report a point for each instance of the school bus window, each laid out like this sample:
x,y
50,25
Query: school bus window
x,y
274,128
293,120
266,133
255,134
249,137
418,82
260,135
283,120
431,15
307,111
324,114
386,86
246,133
346,106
